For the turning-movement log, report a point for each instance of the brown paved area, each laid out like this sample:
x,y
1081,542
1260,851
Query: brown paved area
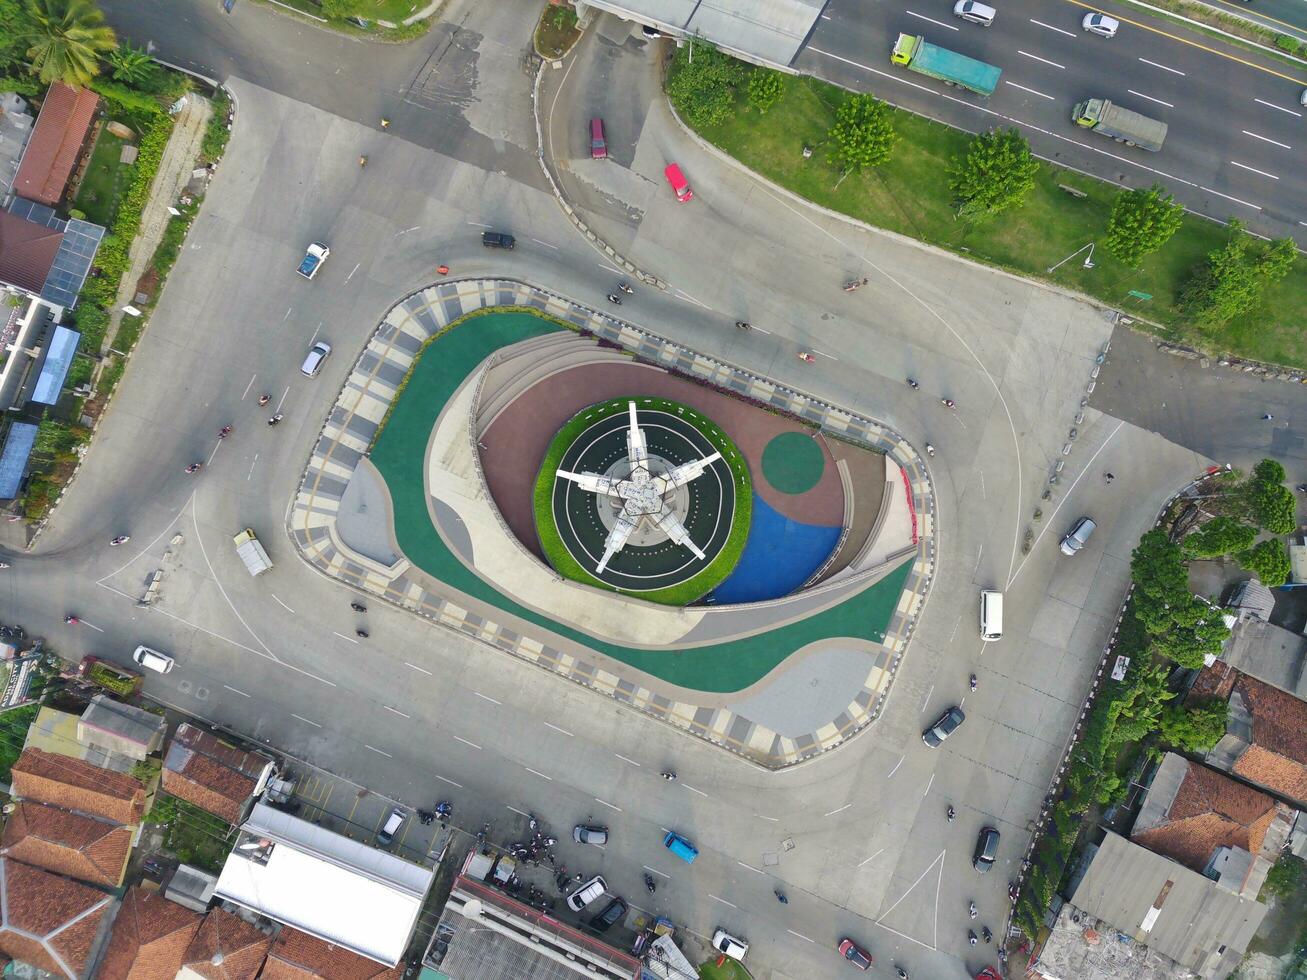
x,y
867,477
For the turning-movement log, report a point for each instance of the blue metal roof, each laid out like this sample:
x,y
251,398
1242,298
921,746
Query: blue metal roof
x,y
13,459
58,359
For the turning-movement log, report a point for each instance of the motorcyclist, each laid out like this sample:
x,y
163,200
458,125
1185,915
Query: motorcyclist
x,y
264,399
950,813
971,937
668,775
649,883
193,467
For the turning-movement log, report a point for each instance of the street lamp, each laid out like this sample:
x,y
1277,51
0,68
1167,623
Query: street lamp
x,y
1089,259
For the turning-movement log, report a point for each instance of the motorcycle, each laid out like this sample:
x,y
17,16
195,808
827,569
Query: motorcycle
x,y
780,897
626,289
971,937
649,883
121,539
532,821
224,432
363,162
930,450
71,620
444,809
361,634
358,607
669,776
805,356
972,910
264,399
853,284
426,818
901,973
275,419
950,813
743,325
194,467
948,403
985,934
913,384
973,682
615,299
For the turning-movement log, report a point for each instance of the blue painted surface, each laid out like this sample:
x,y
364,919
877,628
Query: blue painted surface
x,y
779,557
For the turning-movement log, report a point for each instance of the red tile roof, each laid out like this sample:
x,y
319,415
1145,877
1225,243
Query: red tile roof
x,y
27,251
150,936
56,140
48,921
77,846
77,785
298,956
202,769
242,946
1277,754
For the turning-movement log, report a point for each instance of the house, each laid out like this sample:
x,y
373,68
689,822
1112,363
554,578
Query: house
x,y
225,948
119,729
43,255
70,844
61,130
150,938
1213,824
73,784
201,768
298,956
15,130
1261,649
49,921
1265,741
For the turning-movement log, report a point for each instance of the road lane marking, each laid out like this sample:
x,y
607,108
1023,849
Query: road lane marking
x,y
537,772
723,901
478,224
931,20
928,784
1173,71
926,700
486,697
655,871
1050,27
287,316
561,731
761,817
1247,204
518,812
872,858
1031,91
407,230
234,691
682,294
1272,105
1244,166
83,622
625,759
611,806
474,745
377,750
416,667
248,387
1035,57
306,721
896,766
450,781
824,354
693,790
545,244
352,271
801,936
751,868
344,637
840,810
1141,95
397,711
282,604
253,462
1267,139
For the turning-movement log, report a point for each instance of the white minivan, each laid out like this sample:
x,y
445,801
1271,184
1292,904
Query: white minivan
x,y
991,615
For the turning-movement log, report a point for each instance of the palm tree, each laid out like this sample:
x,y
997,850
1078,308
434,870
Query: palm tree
x,y
131,65
68,38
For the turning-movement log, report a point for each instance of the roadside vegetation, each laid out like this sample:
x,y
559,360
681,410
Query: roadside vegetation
x,y
556,32
1212,287
193,836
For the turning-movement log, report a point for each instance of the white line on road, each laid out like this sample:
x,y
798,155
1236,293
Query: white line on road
x,y
398,712
234,691
537,772
759,330
306,721
722,900
1266,139
1150,98
518,812
940,23
981,477
420,669
248,387
801,936
896,766
545,244
377,750
466,742
872,858
840,810
450,781
1173,71
824,354
761,817
611,806
751,867
1247,204
928,784
287,316
1040,23
407,230
478,224
1031,91
561,731
693,790
625,759
1272,105
282,604
344,637
282,400
316,330
1244,166
655,871
1035,57
252,463
352,271
82,622
486,697
682,294
926,700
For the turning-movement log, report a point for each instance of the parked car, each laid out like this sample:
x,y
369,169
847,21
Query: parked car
x,y
724,942
386,835
945,725
613,913
1100,24
313,362
986,849
153,659
315,257
681,847
855,954
1078,536
598,145
498,239
587,893
679,184
975,12
582,834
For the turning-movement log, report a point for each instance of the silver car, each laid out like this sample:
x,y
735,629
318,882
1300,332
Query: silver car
x,y
1100,24
1078,536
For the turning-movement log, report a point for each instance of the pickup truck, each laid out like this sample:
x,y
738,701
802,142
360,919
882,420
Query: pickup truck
x,y
314,257
247,546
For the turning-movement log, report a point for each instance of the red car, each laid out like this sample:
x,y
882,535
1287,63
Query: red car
x,y
855,954
598,145
679,184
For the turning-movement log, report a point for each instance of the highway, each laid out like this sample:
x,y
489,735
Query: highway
x,y
1237,132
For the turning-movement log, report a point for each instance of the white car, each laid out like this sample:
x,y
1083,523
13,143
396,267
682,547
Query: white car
x,y
153,659
1100,24
975,12
587,893
314,257
724,942
313,362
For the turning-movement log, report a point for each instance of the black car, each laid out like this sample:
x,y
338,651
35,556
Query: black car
x,y
612,914
986,849
497,239
944,726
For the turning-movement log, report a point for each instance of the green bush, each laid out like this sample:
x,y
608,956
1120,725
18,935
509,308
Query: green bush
x,y
765,88
1286,43
216,132
109,679
702,84
92,322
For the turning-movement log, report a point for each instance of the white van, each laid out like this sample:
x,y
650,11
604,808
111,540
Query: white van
x,y
991,615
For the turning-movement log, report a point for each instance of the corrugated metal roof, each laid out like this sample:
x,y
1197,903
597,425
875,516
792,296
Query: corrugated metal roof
x,y
13,460
58,359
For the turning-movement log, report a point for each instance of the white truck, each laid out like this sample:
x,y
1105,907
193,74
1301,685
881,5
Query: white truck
x,y
314,257
247,546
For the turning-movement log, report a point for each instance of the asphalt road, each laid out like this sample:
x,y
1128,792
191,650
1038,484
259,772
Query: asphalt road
x,y
1236,128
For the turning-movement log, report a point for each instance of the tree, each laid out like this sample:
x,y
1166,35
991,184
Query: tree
x,y
1269,471
1231,279
765,89
996,173
1219,536
1272,506
1196,728
68,38
14,39
132,65
702,84
1157,568
863,133
1142,221
1268,560
1196,631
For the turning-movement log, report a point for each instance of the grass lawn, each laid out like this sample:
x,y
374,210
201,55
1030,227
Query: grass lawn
x,y
729,970
105,182
909,195
195,836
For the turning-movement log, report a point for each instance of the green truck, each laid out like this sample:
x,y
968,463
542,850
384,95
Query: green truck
x,y
919,55
1123,125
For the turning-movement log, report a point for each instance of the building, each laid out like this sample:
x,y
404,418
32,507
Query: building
x,y
86,848
1212,824
298,956
1081,946
62,128
349,895
202,769
1265,740
15,130
1260,649
120,730
150,938
49,921
225,948
75,785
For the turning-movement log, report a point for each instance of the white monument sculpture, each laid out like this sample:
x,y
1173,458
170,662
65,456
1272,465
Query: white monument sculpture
x,y
642,494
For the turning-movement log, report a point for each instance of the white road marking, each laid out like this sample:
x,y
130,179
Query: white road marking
x,y
306,721
82,622
655,871
518,812
1173,71
896,767
1141,95
1272,105
801,936
561,731
545,244
377,750
840,810
344,637
751,867
760,330
1266,139
1040,23
234,691
352,271
537,772
1031,91
932,20
478,224
252,463
926,700
1035,57
398,712
693,790
723,901
282,604
611,806
1247,204
407,230
625,759
872,858
450,781
981,477
248,387
761,817
824,354
316,330
928,783
282,400
1244,166
486,698
466,742
287,316
682,294
416,667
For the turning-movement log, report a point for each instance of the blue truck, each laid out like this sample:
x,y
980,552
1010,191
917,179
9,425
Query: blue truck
x,y
917,54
